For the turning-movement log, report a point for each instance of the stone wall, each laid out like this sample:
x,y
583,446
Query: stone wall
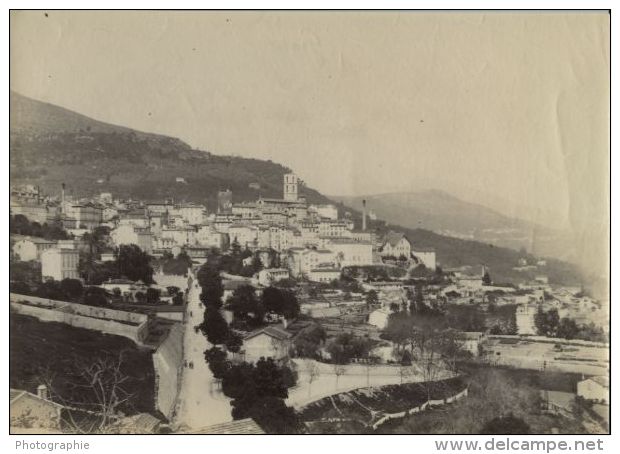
x,y
168,364
82,309
419,408
53,314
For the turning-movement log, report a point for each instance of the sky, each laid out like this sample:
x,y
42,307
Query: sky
x,y
507,109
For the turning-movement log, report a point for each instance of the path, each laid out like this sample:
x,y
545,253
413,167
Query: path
x,y
355,376
201,403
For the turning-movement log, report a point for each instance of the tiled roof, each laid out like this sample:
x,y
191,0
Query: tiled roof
x,y
14,394
241,427
33,239
422,249
273,331
143,422
601,380
394,237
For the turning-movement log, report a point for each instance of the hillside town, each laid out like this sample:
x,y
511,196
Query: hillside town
x,y
281,316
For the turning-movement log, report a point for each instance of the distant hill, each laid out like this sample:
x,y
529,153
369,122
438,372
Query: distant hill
x,y
29,116
448,215
443,213
50,145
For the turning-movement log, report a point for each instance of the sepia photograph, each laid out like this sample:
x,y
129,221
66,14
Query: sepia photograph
x,y
309,222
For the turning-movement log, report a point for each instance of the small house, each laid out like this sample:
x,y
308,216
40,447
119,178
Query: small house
x,y
269,342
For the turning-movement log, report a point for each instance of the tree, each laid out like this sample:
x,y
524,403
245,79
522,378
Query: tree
x,y
567,328
243,302
269,379
72,288
419,271
257,264
235,248
505,425
218,362
50,289
99,387
338,371
291,305
372,299
214,327
140,297
399,329
20,287
546,322
486,278
238,380
211,282
233,342
152,295
95,296
273,300
177,299
313,371
281,302
308,341
346,346
271,413
134,263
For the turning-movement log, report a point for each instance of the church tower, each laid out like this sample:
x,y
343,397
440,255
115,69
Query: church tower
x,y
290,187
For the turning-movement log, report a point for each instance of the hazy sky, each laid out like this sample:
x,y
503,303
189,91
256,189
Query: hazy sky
x,y
510,109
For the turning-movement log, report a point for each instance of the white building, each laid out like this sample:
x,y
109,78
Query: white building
x,y
208,236
269,276
86,215
595,389
246,235
335,229
60,264
425,256
180,235
31,248
396,245
270,342
379,318
525,319
246,210
301,261
327,211
130,234
134,218
472,341
108,213
192,214
323,274
350,252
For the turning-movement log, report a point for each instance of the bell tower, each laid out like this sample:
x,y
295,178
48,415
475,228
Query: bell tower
x,y
290,187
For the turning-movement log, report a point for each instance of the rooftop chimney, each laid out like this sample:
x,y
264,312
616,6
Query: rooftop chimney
x,y
364,214
42,392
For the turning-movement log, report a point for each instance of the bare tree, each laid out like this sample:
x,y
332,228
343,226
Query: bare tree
x,y
405,371
93,398
313,371
371,360
339,370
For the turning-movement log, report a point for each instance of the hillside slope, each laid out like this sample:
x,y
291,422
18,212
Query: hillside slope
x,y
443,213
51,145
